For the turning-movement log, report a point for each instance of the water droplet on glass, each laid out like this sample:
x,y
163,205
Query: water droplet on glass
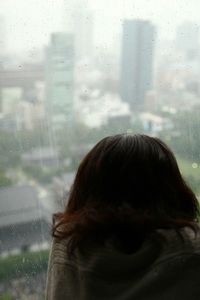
x,y
194,165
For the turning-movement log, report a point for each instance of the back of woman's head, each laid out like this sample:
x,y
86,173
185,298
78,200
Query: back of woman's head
x,y
126,183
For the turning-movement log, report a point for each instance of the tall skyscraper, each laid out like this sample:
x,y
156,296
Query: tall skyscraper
x,y
59,79
138,40
78,20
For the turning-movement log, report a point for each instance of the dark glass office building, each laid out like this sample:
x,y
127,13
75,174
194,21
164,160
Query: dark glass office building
x,y
138,40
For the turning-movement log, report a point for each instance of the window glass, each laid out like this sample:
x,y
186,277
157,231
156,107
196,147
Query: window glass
x,y
71,73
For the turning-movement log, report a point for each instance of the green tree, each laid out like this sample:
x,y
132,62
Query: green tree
x,y
4,180
184,139
6,296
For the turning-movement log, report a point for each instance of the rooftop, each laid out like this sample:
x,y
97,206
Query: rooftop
x,y
19,204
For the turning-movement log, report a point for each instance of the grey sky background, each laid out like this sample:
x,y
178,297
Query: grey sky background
x,y
29,22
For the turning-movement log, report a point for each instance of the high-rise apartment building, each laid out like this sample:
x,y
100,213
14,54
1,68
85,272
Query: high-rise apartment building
x,y
138,40
60,79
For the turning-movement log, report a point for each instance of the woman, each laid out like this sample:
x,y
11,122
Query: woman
x,y
129,230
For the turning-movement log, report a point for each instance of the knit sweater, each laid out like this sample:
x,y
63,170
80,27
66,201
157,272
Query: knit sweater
x,y
162,269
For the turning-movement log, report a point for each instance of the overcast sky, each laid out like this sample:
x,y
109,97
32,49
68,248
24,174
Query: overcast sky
x,y
29,22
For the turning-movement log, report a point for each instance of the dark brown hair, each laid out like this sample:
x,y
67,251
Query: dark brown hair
x,y
126,187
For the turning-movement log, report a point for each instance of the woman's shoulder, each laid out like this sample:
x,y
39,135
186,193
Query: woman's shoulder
x,y
58,251
170,242
176,243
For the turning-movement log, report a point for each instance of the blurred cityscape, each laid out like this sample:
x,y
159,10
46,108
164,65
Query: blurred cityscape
x,y
57,103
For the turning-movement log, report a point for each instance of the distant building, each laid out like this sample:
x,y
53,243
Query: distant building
x,y
122,122
137,55
8,123
60,79
21,219
153,123
79,20
151,101
98,108
61,187
43,156
22,97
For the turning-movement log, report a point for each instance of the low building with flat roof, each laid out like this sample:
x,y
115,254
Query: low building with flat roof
x,y
22,223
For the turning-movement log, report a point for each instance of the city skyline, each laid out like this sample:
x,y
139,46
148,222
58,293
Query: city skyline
x,y
25,32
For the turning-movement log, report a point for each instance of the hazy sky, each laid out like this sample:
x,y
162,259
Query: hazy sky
x,y
29,22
